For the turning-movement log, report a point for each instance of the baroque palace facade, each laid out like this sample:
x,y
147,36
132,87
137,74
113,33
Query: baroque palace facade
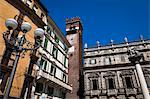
x,y
42,73
109,74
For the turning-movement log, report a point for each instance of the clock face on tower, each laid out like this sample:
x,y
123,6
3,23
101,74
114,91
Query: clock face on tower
x,y
71,40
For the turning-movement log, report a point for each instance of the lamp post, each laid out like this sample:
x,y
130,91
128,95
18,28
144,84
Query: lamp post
x,y
135,57
12,24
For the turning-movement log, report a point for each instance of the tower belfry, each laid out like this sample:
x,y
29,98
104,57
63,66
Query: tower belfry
x,y
74,36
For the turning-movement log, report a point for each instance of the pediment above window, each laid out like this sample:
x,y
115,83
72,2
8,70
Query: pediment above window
x,y
126,72
110,74
94,75
146,71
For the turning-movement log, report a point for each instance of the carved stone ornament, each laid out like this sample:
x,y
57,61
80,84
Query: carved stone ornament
x,y
126,72
109,74
146,71
134,55
133,52
93,75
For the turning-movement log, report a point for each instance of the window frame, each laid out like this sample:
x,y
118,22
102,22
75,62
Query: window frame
x,y
54,54
111,83
127,82
94,84
53,72
122,57
39,86
64,77
57,39
45,43
35,8
92,61
147,79
44,64
51,91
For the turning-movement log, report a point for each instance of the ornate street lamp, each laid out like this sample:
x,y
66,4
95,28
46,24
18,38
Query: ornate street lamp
x,y
18,48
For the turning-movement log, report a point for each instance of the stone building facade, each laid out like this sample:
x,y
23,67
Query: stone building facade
x,y
42,73
108,73
21,10
51,69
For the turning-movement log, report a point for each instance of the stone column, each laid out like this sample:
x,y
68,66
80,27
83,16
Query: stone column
x,y
135,57
142,81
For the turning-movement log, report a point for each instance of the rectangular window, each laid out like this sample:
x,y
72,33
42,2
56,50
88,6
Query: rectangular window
x,y
61,44
128,82
45,65
29,2
53,34
45,43
53,70
42,62
63,95
35,8
61,57
95,84
147,81
66,48
42,15
93,61
109,60
50,91
65,62
122,58
111,83
54,53
39,87
64,78
48,30
56,39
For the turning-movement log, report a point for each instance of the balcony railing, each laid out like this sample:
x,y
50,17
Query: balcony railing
x,y
47,76
111,92
131,91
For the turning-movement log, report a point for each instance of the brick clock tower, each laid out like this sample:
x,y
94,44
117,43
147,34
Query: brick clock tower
x,y
74,36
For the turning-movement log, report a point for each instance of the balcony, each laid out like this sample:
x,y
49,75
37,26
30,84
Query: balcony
x,y
95,92
112,92
132,91
42,74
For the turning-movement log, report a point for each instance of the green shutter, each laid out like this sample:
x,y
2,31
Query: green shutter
x,y
56,39
45,65
45,43
54,53
65,62
41,62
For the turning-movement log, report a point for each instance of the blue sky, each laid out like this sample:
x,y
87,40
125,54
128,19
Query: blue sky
x,y
104,19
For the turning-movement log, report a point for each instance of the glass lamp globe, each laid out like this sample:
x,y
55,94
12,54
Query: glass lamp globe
x,y
11,24
26,27
39,32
